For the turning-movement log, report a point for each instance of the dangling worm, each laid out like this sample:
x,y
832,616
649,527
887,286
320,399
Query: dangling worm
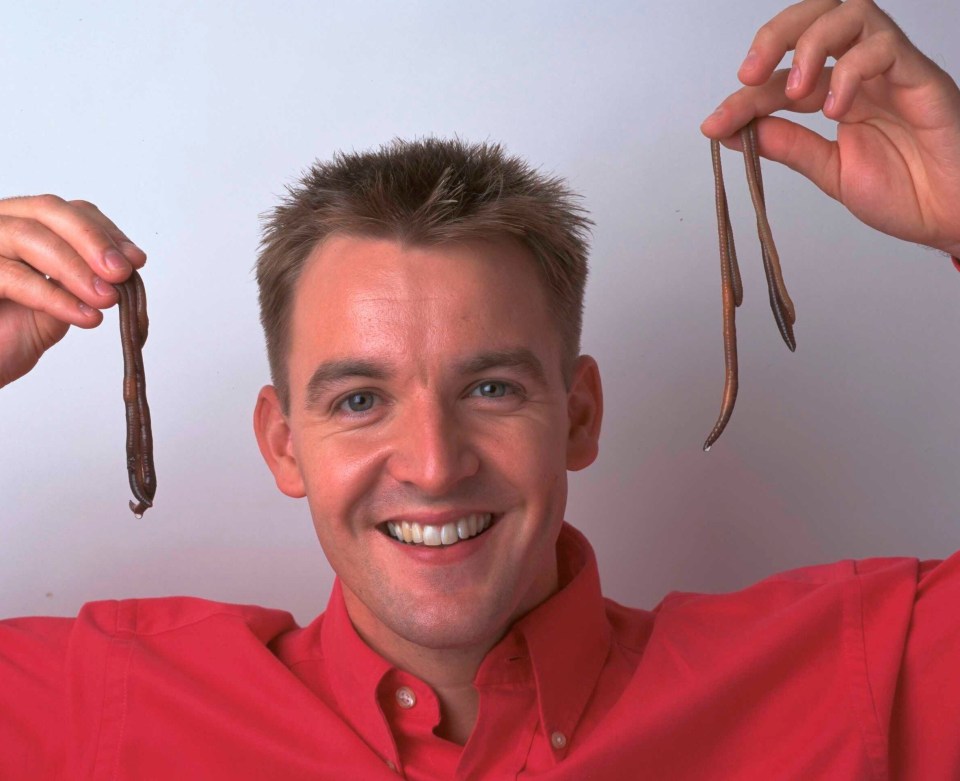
x,y
133,335
730,285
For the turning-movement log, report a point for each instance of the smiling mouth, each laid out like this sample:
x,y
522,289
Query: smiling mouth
x,y
435,536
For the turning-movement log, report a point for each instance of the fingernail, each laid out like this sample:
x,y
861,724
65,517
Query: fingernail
x,y
86,310
129,248
793,80
829,102
717,112
114,260
103,288
750,59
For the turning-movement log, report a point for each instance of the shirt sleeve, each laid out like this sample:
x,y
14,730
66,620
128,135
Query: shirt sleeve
x,y
925,726
33,654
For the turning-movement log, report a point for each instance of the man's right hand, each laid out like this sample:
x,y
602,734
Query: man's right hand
x,y
59,261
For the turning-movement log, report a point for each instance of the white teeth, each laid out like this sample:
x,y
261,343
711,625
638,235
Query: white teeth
x,y
434,536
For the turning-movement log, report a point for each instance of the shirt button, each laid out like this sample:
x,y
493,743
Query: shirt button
x,y
405,697
392,766
558,740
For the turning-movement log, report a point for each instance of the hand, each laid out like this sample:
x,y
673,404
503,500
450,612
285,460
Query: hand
x,y
896,161
59,261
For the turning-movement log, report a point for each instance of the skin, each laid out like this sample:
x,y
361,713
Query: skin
x,y
59,262
440,440
895,165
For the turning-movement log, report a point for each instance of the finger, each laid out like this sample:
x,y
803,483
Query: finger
x,y
749,102
23,285
815,34
88,237
831,35
778,36
130,250
45,251
798,148
888,54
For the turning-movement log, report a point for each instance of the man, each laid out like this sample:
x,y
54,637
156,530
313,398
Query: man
x,y
421,306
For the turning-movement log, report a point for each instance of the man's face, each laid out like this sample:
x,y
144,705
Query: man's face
x,y
426,389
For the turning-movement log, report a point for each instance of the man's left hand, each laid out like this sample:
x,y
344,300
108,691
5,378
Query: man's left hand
x,y
896,161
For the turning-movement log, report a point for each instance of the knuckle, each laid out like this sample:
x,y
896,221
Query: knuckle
x,y
807,42
767,35
845,75
49,201
85,206
888,38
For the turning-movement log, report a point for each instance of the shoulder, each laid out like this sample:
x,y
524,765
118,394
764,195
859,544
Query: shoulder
x,y
891,581
157,616
37,648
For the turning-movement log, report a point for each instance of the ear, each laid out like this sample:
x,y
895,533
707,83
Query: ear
x,y
585,411
276,443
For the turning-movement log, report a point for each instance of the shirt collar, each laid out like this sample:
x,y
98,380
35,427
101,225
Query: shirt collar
x,y
567,639
354,671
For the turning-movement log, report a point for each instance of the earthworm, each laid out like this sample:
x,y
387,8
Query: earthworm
x,y
730,284
133,335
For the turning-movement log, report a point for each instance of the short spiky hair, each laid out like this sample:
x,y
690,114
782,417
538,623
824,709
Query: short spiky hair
x,y
423,192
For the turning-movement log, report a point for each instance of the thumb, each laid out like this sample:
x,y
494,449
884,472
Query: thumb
x,y
798,148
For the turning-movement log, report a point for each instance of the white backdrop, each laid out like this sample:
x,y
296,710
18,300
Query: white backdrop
x,y
184,121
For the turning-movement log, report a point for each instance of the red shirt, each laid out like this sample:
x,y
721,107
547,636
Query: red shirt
x,y
844,671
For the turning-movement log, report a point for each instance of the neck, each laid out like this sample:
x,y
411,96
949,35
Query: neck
x,y
449,671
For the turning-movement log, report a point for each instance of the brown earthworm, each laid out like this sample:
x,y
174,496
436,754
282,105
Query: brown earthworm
x,y
133,335
730,285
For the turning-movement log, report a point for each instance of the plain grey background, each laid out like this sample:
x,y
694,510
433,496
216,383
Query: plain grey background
x,y
184,121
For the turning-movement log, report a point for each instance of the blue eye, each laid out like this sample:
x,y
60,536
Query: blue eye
x,y
358,402
491,389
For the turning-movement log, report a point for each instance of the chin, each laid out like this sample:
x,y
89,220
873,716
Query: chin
x,y
451,627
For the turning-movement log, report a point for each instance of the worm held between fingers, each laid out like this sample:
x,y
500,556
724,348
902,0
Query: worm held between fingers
x,y
133,335
730,284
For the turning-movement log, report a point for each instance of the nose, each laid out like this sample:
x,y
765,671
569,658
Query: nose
x,y
432,450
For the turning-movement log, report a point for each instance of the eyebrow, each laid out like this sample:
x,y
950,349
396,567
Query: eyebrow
x,y
516,358
332,373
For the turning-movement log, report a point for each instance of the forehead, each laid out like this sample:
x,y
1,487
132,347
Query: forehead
x,y
343,264
367,296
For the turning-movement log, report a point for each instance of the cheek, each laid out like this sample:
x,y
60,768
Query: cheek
x,y
338,472
533,457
